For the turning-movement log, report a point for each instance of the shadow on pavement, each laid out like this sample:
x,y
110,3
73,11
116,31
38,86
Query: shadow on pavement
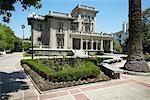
x,y
11,82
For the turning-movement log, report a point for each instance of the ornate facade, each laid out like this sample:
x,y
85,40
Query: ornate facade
x,y
66,31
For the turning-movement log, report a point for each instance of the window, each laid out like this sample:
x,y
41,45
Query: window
x,y
86,18
60,27
92,18
73,28
92,29
82,16
87,29
39,39
39,27
60,41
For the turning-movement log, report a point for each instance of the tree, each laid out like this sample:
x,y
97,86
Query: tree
x,y
117,47
26,45
8,40
7,6
146,30
135,60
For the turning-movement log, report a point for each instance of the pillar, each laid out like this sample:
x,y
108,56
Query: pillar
x,y
102,47
71,43
81,44
111,46
86,44
65,41
96,45
53,38
91,44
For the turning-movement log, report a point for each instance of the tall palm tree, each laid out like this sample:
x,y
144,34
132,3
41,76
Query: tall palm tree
x,y
135,61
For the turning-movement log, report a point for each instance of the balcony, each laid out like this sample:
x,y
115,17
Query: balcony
x,y
60,31
89,34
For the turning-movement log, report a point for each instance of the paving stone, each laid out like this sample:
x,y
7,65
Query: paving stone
x,y
61,98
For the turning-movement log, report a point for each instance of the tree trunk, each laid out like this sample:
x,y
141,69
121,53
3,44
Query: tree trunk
x,y
135,61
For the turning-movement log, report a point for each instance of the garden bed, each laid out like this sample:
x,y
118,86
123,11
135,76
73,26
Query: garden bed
x,y
50,74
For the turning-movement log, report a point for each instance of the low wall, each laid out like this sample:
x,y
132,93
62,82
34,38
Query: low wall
x,y
52,52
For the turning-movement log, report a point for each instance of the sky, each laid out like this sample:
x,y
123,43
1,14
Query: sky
x,y
112,14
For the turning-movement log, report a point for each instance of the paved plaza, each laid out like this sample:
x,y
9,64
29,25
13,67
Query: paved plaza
x,y
15,85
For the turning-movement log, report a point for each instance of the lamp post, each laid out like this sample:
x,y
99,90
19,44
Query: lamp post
x,y
32,39
23,27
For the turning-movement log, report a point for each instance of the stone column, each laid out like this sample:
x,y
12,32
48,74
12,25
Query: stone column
x,y
86,44
96,44
53,38
102,49
65,40
91,44
71,43
111,46
81,44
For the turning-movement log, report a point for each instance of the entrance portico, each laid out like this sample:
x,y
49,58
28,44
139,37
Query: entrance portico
x,y
103,45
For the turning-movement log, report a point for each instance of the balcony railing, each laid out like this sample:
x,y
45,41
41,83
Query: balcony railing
x,y
91,33
86,7
60,32
58,13
44,46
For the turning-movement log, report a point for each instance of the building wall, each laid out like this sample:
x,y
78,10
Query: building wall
x,y
121,36
51,32
81,16
37,33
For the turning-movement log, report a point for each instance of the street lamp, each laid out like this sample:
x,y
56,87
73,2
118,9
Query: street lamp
x,y
23,27
32,39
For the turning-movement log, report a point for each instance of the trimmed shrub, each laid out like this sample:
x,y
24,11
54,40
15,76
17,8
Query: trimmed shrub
x,y
87,70
38,67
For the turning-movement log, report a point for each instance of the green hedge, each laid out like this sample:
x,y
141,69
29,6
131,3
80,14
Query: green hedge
x,y
38,67
87,70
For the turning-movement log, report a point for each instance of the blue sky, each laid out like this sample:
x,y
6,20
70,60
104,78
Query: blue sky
x,y
112,13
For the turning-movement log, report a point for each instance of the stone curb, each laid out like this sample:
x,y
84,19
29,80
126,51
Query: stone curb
x,y
106,63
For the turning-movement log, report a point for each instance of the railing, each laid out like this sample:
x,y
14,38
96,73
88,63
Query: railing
x,y
104,34
45,46
60,31
58,13
88,33
87,7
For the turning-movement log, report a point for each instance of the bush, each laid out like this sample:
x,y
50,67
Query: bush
x,y
38,67
26,54
87,70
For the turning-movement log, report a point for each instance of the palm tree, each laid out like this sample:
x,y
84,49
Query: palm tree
x,y
135,61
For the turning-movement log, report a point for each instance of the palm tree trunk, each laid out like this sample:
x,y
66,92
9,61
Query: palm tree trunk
x,y
135,61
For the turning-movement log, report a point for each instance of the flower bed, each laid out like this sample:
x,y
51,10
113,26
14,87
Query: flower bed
x,y
45,71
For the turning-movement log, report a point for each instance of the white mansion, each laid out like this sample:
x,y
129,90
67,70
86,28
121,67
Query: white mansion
x,y
62,32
